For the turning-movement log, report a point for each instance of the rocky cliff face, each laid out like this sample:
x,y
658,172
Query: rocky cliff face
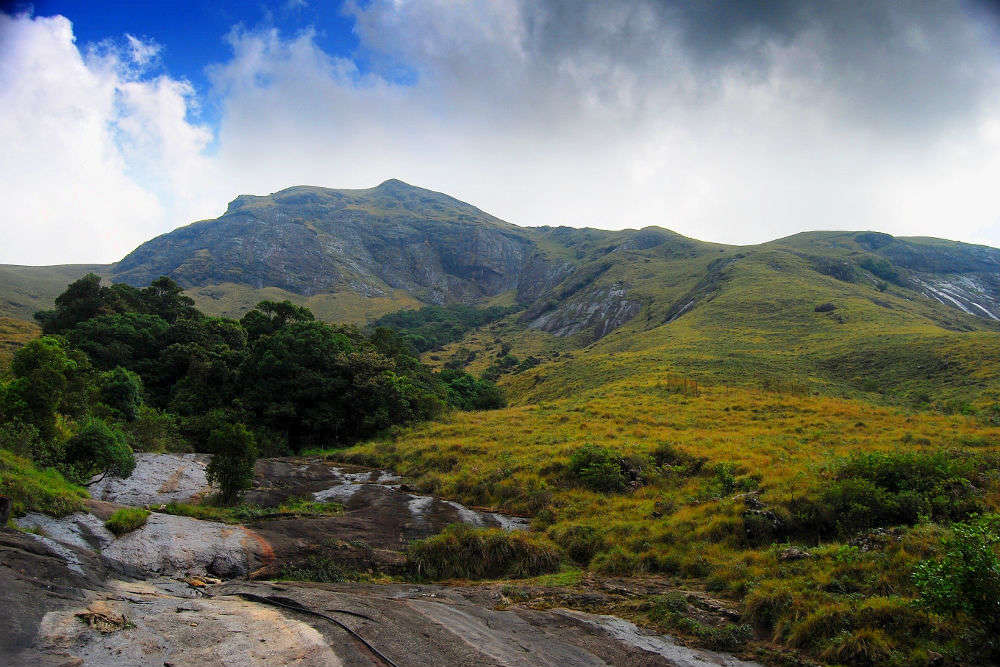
x,y
308,240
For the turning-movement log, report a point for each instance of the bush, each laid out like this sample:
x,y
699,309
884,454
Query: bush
x,y
966,579
579,542
597,468
866,646
126,520
460,551
877,489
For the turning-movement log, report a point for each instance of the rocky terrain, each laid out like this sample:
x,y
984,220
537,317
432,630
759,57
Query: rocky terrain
x,y
183,591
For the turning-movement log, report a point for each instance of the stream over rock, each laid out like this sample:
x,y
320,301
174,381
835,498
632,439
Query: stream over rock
x,y
71,593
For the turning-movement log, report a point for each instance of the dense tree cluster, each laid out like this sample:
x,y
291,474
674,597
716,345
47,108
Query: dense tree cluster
x,y
120,368
432,327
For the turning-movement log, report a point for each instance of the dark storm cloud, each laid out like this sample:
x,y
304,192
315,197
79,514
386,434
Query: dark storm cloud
x,y
895,66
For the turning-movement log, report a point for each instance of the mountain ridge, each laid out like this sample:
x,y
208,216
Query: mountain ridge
x,y
355,254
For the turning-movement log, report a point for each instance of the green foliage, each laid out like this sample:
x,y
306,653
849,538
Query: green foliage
x,y
580,542
670,611
34,490
270,316
86,299
461,552
234,453
44,375
876,489
881,268
155,430
467,393
98,449
319,384
121,391
127,519
432,327
597,468
966,578
318,567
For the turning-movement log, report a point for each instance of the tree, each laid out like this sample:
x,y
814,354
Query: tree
x,y
234,453
296,381
82,300
166,298
98,449
121,391
270,316
42,372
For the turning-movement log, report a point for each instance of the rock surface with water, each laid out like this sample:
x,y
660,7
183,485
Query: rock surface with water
x,y
73,594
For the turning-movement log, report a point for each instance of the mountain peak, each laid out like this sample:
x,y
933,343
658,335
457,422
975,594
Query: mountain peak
x,y
395,184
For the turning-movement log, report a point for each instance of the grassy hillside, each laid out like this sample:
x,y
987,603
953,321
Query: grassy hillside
x,y
724,474
13,334
738,419
233,300
25,290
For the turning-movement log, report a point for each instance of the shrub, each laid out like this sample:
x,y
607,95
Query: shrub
x,y
618,562
317,567
866,646
873,490
667,456
460,551
966,579
126,520
765,606
580,542
597,468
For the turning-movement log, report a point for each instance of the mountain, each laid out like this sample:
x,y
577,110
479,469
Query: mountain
x,y
356,254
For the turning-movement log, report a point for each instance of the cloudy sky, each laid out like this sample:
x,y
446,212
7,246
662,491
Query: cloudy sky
x,y
727,121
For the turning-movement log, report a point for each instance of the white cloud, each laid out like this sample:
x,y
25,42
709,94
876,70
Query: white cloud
x,y
96,158
604,114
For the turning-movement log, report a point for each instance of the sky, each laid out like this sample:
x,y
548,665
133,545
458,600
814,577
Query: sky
x,y
730,121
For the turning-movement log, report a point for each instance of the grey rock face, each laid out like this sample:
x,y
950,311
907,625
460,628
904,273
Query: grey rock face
x,y
80,529
172,545
596,311
157,479
308,240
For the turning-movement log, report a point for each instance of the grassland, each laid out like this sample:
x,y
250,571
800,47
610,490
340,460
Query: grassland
x,y
232,300
13,334
698,527
25,290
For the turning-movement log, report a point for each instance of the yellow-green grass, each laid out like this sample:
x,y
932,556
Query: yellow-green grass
x,y
680,525
233,300
24,290
13,334
34,490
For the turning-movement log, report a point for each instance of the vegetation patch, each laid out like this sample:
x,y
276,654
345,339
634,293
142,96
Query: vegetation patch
x,y
126,520
34,490
462,552
246,512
